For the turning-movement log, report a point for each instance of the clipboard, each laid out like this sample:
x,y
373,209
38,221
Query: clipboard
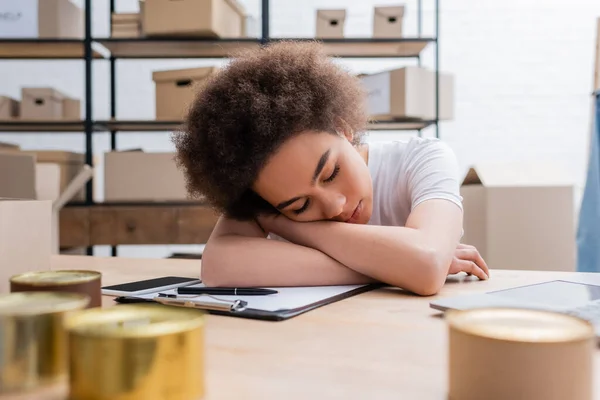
x,y
288,303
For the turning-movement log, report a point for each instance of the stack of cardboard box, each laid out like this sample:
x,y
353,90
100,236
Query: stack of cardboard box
x,y
29,223
126,25
40,103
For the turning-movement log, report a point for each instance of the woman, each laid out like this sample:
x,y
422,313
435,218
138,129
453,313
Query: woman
x,y
273,142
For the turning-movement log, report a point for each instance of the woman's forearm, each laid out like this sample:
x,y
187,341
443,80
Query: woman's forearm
x,y
235,260
398,256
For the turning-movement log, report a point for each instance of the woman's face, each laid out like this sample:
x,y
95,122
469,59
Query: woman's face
x,y
318,176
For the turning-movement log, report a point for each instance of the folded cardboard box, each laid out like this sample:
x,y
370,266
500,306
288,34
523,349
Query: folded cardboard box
x,y
47,103
41,103
330,24
21,177
131,176
387,21
25,237
9,108
206,18
52,19
409,92
176,89
520,216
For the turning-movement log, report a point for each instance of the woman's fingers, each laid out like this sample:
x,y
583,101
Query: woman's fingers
x,y
471,268
471,254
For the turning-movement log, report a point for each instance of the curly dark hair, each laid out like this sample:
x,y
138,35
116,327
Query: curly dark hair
x,y
245,111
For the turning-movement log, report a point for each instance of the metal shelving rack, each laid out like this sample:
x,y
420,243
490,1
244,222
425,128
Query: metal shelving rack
x,y
193,47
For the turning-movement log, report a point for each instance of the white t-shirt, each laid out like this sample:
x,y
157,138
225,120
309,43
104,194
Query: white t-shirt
x,y
406,173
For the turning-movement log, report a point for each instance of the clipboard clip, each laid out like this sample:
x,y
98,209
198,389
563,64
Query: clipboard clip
x,y
232,306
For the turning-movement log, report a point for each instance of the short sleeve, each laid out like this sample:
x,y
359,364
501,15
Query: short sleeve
x,y
432,172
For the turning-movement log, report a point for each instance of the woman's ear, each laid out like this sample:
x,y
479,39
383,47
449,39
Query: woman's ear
x,y
344,130
345,134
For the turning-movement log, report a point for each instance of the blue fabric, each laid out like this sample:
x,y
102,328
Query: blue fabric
x,y
588,232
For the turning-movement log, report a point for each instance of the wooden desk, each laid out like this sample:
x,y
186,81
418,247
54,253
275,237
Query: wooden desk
x,y
384,344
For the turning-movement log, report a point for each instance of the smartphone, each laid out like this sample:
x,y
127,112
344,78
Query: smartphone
x,y
148,286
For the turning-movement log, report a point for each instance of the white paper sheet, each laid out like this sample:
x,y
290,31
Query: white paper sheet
x,y
288,298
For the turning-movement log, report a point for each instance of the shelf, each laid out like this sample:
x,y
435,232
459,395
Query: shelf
x,y
400,124
175,47
64,49
192,47
42,126
169,126
141,125
136,224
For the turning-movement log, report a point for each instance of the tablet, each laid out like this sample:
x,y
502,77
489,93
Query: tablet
x,y
148,286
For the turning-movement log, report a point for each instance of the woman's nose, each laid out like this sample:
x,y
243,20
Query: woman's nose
x,y
334,205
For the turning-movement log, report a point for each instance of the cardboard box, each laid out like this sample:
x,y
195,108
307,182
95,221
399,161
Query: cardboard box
x,y
409,92
176,89
41,104
41,19
131,176
25,238
520,216
387,21
71,109
21,177
9,108
17,175
330,24
68,165
206,18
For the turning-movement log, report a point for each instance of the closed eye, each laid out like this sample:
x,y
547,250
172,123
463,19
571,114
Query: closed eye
x,y
303,208
335,172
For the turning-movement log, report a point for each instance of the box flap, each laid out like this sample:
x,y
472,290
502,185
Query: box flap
x,y
56,156
390,11
187,73
237,7
518,174
85,174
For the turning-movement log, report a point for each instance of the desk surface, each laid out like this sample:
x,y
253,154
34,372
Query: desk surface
x,y
384,344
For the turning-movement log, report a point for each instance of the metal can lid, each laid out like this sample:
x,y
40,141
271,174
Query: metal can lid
x,y
520,325
54,278
35,303
135,320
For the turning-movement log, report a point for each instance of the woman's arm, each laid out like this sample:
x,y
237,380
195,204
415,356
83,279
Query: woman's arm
x,y
416,257
238,254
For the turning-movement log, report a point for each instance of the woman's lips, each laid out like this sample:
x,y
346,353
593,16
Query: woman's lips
x,y
356,214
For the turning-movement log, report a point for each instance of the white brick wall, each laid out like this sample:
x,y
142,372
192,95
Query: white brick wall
x,y
523,71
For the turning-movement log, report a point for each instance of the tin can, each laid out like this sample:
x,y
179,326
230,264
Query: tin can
x,y
72,281
33,338
136,351
505,353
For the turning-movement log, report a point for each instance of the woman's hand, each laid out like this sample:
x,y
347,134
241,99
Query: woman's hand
x,y
467,259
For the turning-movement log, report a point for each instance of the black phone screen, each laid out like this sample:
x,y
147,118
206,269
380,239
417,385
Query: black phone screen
x,y
149,283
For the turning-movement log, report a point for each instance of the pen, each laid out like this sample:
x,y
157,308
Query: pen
x,y
225,291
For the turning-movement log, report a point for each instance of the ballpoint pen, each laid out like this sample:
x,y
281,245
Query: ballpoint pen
x,y
223,291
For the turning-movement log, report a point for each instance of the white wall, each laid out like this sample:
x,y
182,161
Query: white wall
x,y
523,71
